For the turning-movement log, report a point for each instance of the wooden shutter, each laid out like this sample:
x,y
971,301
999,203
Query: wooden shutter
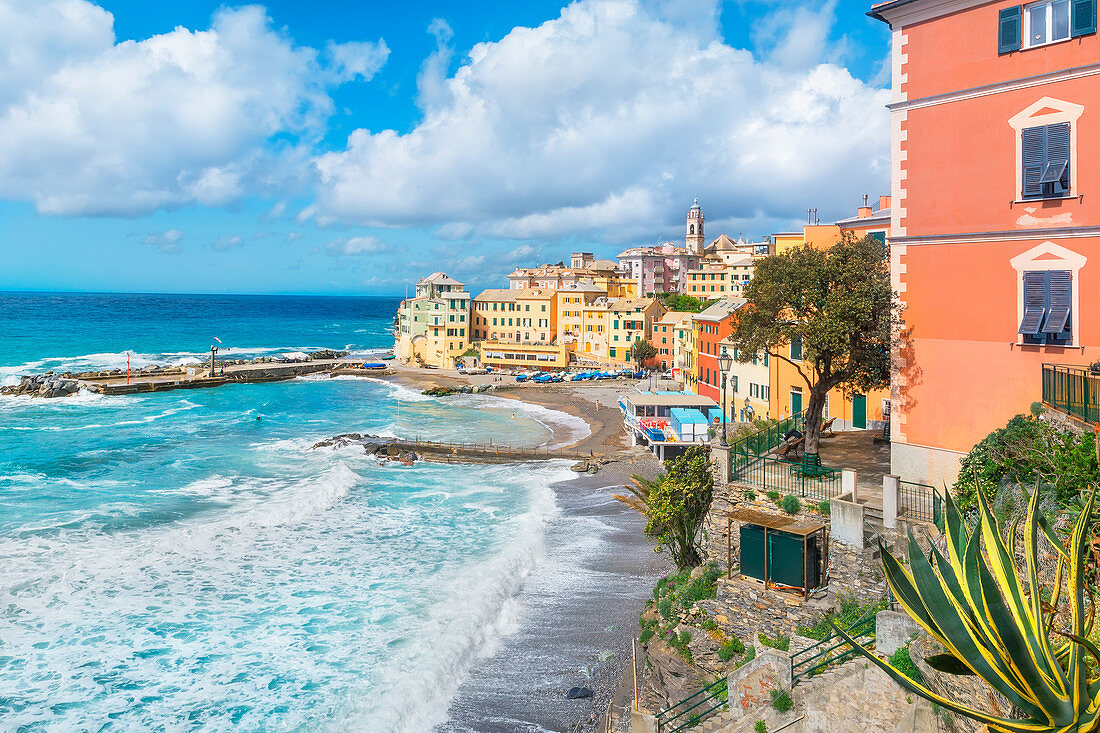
x,y
1033,159
1060,298
1057,151
1034,303
1009,29
1082,17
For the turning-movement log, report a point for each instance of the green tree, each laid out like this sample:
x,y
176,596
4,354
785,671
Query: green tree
x,y
642,351
675,505
838,301
681,303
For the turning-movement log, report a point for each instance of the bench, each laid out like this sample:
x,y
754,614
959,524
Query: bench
x,y
791,446
810,467
827,428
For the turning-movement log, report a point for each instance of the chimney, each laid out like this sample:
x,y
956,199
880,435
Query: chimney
x,y
864,212
884,202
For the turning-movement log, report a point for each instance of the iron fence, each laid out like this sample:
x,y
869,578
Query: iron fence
x,y
803,480
917,501
745,450
693,709
1075,390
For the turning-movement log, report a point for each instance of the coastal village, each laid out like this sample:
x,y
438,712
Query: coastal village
x,y
818,501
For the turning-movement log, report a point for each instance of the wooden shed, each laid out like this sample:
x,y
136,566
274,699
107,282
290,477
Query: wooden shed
x,y
783,553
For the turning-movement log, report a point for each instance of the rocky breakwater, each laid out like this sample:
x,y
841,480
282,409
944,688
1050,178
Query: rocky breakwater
x,y
464,389
44,385
372,445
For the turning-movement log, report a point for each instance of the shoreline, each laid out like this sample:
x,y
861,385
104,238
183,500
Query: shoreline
x,y
627,560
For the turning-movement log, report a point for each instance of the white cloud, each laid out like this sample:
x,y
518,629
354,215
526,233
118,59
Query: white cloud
x,y
224,244
607,120
797,36
90,126
166,241
356,246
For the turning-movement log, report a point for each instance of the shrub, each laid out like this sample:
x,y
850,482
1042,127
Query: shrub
x,y
749,495
790,504
782,643
646,635
730,649
665,608
1023,452
709,625
824,507
902,662
760,727
750,654
772,495
781,701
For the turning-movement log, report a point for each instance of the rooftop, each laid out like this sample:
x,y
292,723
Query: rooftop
x,y
721,310
687,399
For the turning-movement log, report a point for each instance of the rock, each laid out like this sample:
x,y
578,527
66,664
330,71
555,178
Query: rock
x,y
580,467
697,571
576,693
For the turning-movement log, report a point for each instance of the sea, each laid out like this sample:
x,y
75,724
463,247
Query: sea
x,y
187,561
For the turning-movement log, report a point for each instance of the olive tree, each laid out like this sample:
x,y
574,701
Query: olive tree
x,y
839,303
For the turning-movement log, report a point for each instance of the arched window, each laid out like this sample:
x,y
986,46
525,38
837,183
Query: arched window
x,y
692,230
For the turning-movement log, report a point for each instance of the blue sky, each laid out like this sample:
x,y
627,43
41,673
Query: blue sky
x,y
350,147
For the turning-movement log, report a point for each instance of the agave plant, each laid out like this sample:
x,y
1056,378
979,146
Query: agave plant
x,y
999,627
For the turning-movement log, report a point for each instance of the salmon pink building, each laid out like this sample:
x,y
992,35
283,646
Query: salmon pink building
x,y
995,220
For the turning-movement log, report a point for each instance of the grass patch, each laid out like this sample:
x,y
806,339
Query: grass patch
x,y
782,643
760,727
850,611
781,701
902,662
773,495
731,649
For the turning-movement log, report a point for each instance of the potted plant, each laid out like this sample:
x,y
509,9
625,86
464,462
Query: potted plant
x,y
1094,368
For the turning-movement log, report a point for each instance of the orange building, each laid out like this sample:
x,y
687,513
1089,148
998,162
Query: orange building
x,y
995,132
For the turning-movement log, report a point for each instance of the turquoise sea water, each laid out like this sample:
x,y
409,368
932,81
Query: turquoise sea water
x,y
184,561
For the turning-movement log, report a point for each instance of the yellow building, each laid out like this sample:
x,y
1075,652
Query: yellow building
x,y
516,316
569,303
708,283
433,327
790,395
502,354
630,319
594,330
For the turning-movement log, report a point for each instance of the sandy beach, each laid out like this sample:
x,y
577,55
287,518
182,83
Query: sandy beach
x,y
577,624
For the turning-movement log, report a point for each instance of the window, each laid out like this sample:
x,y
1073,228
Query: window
x,y
1047,308
1040,23
1045,160
1046,22
796,348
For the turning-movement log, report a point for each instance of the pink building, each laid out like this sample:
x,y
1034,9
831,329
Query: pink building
x,y
664,268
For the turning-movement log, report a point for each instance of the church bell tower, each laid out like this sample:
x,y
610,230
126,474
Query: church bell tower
x,y
695,242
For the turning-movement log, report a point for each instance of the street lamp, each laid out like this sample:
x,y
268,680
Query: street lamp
x,y
725,361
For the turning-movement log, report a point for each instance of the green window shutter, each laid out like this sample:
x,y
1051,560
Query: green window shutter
x,y
796,347
1009,29
1082,18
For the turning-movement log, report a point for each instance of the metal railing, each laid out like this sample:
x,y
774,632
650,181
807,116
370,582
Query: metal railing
x,y
435,446
812,658
745,450
1072,389
787,477
704,703
918,501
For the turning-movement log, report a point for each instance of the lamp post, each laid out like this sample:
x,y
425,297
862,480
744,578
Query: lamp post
x,y
725,361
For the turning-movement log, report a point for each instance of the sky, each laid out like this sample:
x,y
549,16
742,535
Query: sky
x,y
351,147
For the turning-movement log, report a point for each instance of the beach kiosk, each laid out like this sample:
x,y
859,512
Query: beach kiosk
x,y
782,553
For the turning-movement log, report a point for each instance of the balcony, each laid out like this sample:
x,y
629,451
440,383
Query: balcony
x,y
1072,389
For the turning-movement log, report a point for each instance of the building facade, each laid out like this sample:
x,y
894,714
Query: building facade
x,y
630,319
433,328
994,253
712,327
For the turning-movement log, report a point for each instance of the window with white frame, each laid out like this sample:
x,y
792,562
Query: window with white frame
x,y
1046,22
